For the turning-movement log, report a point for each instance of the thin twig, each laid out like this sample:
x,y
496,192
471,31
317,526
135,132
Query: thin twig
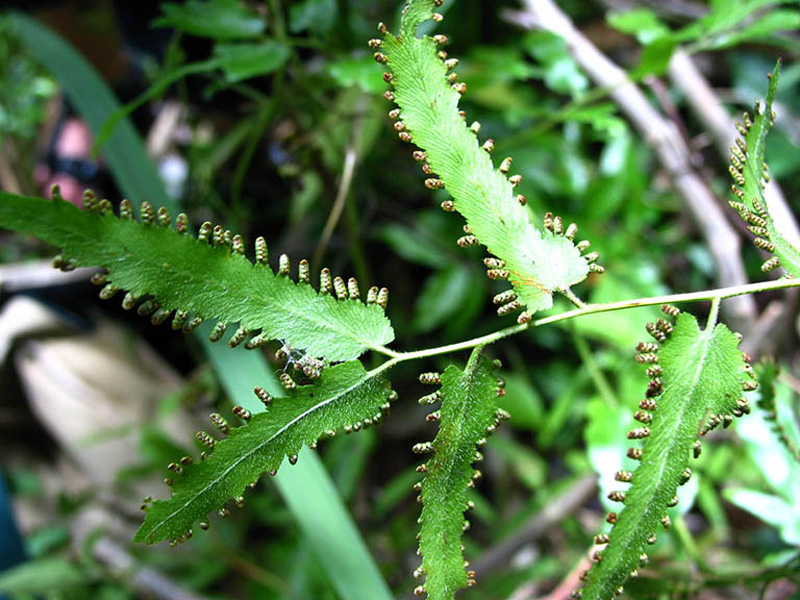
x,y
8,179
260,123
776,322
91,531
537,525
708,108
348,170
589,309
665,140
564,590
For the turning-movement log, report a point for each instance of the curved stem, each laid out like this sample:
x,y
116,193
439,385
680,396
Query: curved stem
x,y
348,170
594,370
573,298
465,345
713,314
716,296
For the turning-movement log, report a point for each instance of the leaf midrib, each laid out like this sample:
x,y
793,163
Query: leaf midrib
x,y
242,457
271,304
98,236
706,337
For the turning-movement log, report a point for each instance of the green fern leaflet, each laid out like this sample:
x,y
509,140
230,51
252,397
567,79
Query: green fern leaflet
x,y
206,278
767,372
751,175
467,416
694,374
345,396
537,262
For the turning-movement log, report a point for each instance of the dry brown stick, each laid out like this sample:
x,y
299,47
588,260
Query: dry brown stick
x,y
708,108
668,8
539,524
665,139
8,179
106,550
348,171
35,275
144,580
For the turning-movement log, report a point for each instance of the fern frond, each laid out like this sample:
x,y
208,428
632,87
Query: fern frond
x,y
536,262
767,371
468,414
694,374
345,397
208,277
750,176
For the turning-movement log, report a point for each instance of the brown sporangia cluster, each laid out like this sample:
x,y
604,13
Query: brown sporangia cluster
x,y
500,415
647,355
495,266
216,236
757,218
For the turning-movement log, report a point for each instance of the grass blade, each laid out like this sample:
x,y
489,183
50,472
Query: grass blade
x,y
133,171
307,487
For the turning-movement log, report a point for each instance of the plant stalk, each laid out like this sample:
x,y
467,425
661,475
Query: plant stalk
x,y
716,296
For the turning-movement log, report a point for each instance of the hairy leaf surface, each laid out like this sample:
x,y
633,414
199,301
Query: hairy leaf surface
x,y
537,262
702,374
344,395
750,175
182,273
468,410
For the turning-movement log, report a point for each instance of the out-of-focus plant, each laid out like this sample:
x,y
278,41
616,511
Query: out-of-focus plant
x,y
696,376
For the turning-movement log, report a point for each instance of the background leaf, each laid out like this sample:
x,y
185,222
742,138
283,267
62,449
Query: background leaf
x,y
243,61
218,19
314,15
42,576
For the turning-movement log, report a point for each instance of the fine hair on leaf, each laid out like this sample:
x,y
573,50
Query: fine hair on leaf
x,y
164,270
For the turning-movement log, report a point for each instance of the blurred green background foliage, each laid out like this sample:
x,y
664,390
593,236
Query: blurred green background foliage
x,y
276,122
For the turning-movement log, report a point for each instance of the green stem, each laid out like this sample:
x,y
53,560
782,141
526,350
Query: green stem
x,y
570,295
260,123
687,541
595,373
591,309
473,361
278,25
713,314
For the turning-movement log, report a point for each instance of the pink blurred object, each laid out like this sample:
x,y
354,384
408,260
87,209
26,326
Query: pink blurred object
x,y
74,142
